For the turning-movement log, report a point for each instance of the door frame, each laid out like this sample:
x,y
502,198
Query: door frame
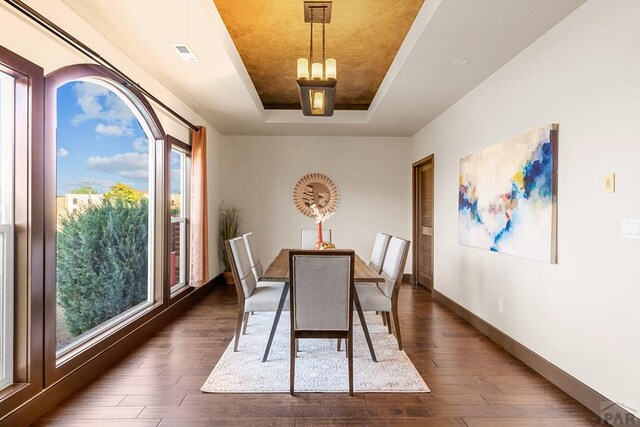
x,y
414,214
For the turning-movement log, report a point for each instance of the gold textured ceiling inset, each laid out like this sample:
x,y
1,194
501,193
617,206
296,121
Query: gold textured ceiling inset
x,y
363,36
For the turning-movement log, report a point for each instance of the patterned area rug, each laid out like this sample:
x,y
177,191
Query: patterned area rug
x,y
319,367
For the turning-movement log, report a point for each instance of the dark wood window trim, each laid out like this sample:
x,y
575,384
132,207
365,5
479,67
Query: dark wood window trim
x,y
55,369
28,177
175,142
38,382
172,142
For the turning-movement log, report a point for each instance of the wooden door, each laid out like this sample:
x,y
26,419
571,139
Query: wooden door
x,y
423,222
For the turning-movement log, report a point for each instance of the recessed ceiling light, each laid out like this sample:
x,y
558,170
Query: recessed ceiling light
x,y
185,52
460,62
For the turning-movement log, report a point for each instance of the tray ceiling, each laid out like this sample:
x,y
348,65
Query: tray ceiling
x,y
217,91
363,36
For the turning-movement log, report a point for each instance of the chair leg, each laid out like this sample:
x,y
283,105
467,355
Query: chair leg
x,y
384,318
238,329
245,320
292,367
396,322
387,319
339,344
350,360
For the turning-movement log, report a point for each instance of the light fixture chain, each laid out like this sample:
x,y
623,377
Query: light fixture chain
x,y
324,64
311,42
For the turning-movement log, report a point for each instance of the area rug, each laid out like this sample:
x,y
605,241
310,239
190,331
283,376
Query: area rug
x,y
319,367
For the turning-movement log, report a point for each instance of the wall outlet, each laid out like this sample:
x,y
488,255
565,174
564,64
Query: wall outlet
x,y
500,306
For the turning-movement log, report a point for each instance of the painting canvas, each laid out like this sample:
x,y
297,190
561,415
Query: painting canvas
x,y
507,197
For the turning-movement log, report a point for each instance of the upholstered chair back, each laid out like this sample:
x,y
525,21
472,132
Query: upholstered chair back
x,y
321,290
309,237
393,266
242,266
256,265
379,251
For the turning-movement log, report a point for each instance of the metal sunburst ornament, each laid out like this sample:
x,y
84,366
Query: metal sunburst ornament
x,y
316,189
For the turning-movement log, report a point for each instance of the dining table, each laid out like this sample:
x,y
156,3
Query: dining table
x,y
278,271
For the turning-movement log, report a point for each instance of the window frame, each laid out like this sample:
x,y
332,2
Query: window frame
x,y
111,331
6,282
8,106
174,143
28,291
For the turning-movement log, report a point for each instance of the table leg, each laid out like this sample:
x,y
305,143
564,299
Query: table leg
x,y
283,298
356,300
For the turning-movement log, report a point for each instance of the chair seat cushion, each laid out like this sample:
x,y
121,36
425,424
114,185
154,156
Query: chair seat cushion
x,y
264,283
372,298
363,284
266,298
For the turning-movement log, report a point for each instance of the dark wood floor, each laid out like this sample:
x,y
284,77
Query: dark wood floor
x,y
473,381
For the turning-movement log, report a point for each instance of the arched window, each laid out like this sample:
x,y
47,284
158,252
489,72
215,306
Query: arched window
x,y
104,198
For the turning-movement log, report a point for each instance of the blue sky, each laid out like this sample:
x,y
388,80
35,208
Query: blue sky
x,y
99,141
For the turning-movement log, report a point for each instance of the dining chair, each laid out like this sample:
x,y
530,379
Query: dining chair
x,y
254,260
379,251
308,238
321,304
384,297
251,298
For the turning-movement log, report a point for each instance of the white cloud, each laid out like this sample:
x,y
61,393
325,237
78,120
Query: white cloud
x,y
99,103
125,165
141,144
114,129
62,152
87,95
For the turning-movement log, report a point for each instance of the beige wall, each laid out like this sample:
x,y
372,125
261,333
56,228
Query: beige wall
x,y
372,174
582,313
38,46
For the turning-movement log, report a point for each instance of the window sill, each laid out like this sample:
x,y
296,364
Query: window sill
x,y
123,321
12,389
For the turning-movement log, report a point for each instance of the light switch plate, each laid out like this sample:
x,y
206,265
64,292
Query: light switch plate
x,y
631,228
610,183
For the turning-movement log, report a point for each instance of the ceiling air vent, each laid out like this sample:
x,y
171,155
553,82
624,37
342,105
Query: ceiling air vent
x,y
185,52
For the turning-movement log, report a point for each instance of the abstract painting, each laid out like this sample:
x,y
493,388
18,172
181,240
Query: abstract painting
x,y
507,196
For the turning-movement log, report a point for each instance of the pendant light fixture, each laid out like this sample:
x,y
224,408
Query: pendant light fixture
x,y
317,76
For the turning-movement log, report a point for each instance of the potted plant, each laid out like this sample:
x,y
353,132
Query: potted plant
x,y
229,220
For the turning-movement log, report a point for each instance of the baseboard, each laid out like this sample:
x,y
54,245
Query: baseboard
x,y
35,407
409,278
604,408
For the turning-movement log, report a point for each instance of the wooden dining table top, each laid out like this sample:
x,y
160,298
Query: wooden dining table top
x,y
278,270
